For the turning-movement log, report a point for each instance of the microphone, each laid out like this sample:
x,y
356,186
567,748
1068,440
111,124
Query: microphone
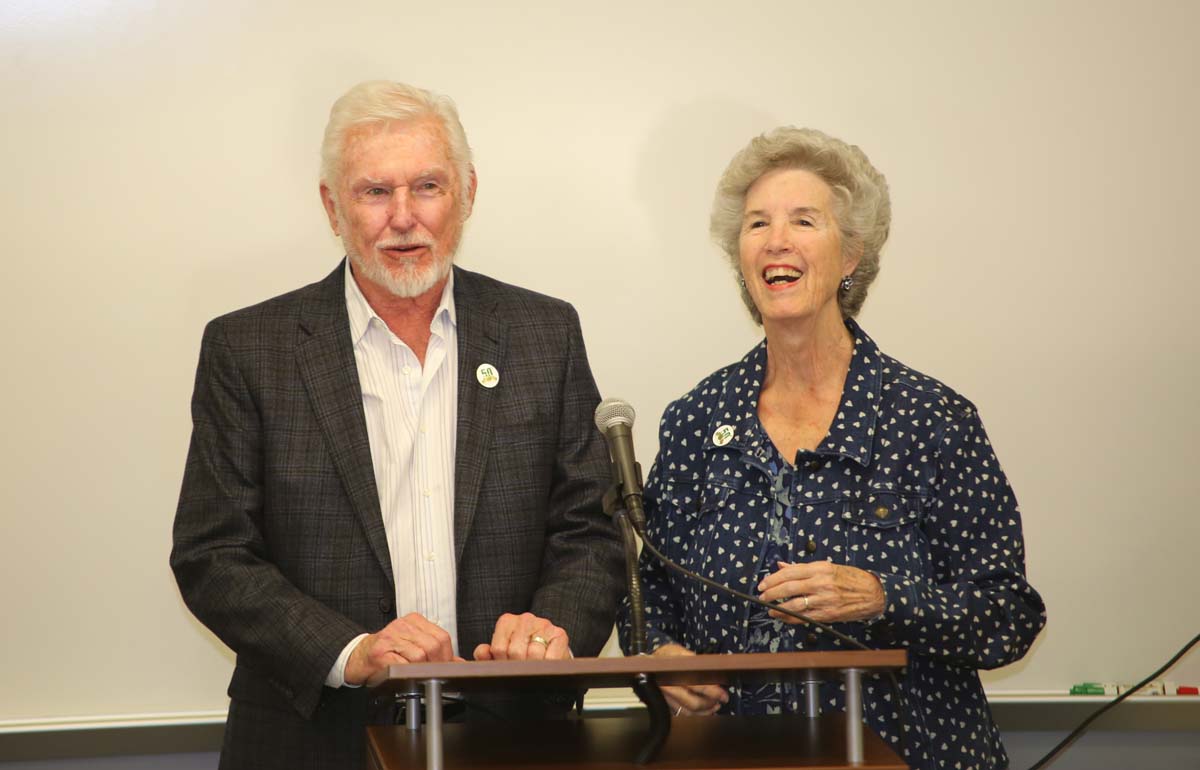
x,y
614,418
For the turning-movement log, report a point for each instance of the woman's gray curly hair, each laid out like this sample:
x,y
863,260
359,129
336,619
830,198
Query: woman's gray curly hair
x,y
862,207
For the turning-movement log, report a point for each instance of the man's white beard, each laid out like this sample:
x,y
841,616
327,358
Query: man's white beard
x,y
405,280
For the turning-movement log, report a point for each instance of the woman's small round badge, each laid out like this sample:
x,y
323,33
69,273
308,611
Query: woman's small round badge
x,y
723,435
487,375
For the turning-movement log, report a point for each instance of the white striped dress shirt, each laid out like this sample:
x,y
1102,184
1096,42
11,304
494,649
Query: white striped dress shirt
x,y
412,413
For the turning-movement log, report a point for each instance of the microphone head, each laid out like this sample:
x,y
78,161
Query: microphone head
x,y
613,411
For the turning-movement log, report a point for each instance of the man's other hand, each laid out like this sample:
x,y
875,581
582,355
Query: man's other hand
x,y
525,637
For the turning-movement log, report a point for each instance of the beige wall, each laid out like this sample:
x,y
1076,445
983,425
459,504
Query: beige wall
x,y
160,158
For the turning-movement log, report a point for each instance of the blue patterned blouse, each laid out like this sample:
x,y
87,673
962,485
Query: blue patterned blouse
x,y
905,486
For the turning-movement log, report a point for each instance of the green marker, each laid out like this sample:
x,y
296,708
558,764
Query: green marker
x,y
1087,688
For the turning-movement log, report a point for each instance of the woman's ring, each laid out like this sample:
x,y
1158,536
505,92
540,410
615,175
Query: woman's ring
x,y
805,598
678,710
538,639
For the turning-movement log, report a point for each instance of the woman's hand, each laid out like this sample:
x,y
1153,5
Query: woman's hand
x,y
692,699
823,591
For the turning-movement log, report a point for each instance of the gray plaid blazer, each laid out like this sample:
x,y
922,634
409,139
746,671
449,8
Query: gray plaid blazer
x,y
279,545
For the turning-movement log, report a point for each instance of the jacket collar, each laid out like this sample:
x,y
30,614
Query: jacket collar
x,y
734,424
482,340
325,357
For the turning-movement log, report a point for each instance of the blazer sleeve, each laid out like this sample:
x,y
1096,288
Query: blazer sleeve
x,y
220,557
581,576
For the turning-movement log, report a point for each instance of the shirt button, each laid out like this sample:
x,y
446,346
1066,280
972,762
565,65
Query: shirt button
x,y
425,492
407,370
429,556
882,512
811,546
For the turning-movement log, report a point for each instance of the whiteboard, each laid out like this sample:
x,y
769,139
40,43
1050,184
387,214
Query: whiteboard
x,y
160,160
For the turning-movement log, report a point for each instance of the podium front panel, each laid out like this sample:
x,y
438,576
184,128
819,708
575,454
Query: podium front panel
x,y
611,742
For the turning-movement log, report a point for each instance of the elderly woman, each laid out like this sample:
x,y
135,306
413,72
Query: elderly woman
x,y
833,480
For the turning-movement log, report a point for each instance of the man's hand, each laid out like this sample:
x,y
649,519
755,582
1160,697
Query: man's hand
x,y
410,639
525,637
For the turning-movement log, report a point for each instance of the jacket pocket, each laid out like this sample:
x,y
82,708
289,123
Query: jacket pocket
x,y
694,523
884,534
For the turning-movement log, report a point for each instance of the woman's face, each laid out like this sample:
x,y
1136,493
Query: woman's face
x,y
791,248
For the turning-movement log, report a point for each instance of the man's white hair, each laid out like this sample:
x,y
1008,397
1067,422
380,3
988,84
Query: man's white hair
x,y
383,101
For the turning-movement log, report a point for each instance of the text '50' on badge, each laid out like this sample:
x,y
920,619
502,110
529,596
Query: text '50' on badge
x,y
723,435
487,375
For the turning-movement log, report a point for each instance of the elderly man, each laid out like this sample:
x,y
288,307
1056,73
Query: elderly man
x,y
394,464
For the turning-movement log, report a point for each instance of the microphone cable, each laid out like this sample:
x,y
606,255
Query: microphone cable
x,y
901,702
1083,726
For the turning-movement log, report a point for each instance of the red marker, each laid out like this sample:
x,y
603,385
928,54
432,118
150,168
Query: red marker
x,y
1185,690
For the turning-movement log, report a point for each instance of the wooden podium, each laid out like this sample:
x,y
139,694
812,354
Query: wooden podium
x,y
836,740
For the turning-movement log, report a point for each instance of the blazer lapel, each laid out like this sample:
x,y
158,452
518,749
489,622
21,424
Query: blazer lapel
x,y
481,338
328,370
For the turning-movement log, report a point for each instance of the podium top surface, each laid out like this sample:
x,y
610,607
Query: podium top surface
x,y
620,672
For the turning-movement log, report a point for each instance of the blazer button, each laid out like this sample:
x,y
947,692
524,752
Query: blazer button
x,y
385,605
811,546
811,639
814,465
881,512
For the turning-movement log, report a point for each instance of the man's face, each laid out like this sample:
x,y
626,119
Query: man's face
x,y
397,206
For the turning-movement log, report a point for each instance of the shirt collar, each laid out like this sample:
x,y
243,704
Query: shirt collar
x,y
361,313
852,432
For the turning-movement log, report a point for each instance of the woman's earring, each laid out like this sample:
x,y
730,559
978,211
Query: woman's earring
x,y
847,282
